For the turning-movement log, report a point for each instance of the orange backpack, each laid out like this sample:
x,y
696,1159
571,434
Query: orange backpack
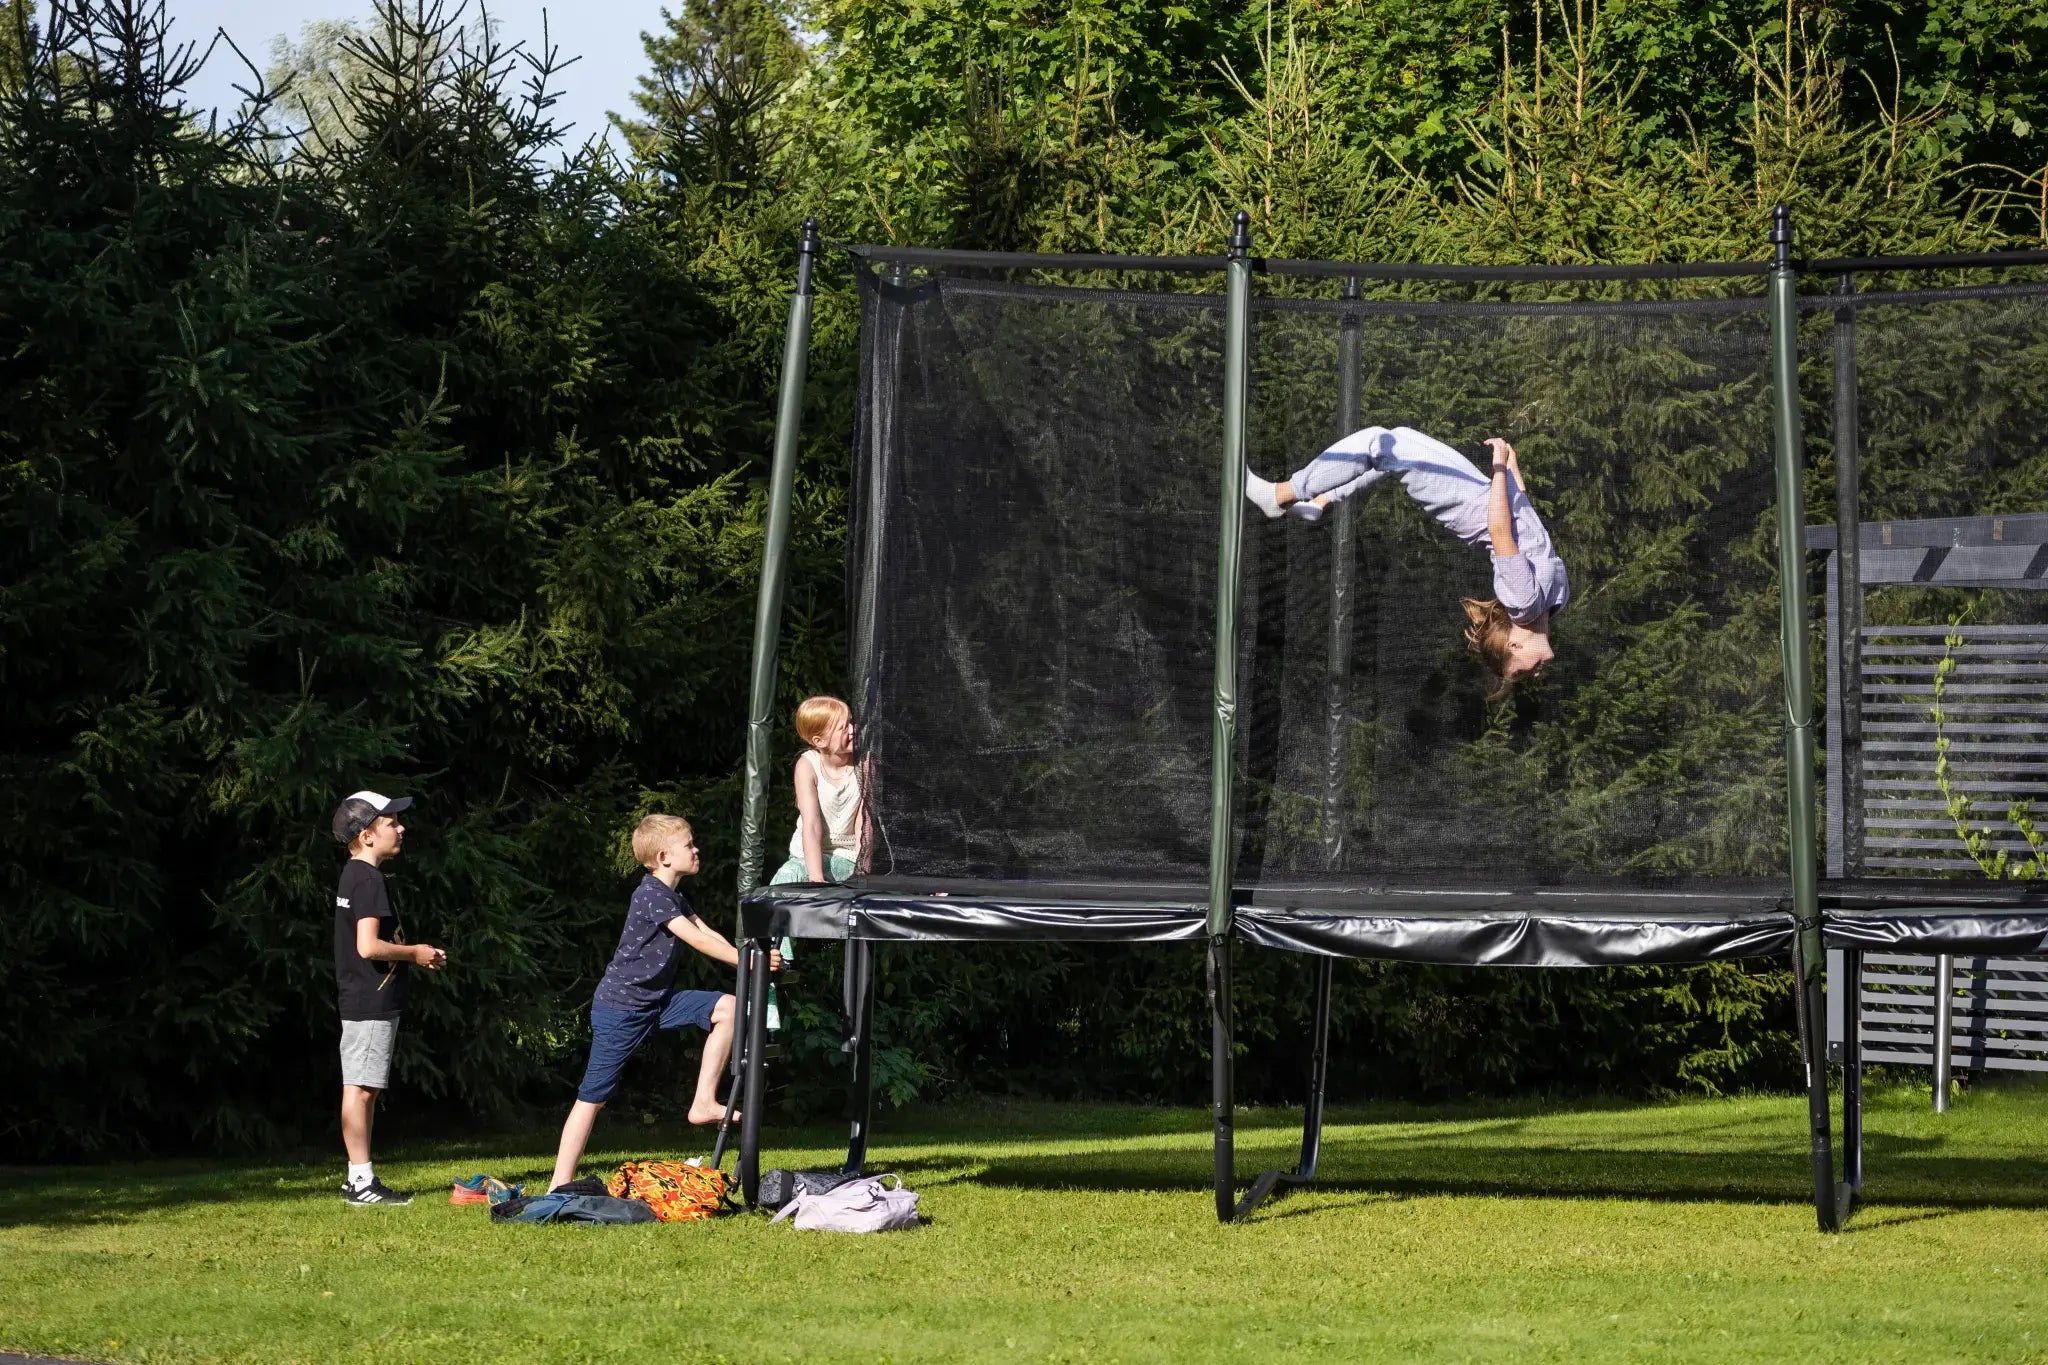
x,y
677,1192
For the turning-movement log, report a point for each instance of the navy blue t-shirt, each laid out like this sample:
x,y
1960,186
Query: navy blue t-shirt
x,y
644,967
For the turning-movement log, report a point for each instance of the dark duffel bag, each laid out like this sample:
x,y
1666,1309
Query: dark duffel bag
x,y
778,1186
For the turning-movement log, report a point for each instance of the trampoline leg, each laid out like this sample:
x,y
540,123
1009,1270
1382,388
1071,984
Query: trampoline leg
x,y
735,1063
1312,1112
1221,1069
1318,1073
1944,1028
753,1066
1852,1081
860,998
1809,1005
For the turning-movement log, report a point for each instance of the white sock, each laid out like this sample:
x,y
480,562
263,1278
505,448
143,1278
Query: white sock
x,y
1261,494
361,1173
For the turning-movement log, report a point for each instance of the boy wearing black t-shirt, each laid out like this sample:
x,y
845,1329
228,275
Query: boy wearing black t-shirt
x,y
369,971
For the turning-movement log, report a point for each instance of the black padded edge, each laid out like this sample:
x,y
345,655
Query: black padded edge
x,y
1613,924
1537,928
1605,925
1941,929
1936,915
970,913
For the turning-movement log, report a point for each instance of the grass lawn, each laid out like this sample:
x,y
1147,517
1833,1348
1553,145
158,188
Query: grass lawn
x,y
1510,1232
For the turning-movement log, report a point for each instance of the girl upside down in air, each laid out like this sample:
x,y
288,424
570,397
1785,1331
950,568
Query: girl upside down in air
x,y
1510,632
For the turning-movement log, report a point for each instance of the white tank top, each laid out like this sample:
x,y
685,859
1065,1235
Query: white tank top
x,y
840,803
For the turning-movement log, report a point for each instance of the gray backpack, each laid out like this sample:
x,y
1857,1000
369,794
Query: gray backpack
x,y
864,1204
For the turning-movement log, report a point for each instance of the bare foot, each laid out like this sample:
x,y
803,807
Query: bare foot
x,y
702,1114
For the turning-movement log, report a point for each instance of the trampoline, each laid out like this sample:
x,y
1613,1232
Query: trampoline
x,y
1104,700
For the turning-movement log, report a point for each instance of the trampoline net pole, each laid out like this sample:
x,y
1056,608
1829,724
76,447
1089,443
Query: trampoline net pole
x,y
1846,675
1343,575
1846,813
1229,579
1223,709
1797,660
775,567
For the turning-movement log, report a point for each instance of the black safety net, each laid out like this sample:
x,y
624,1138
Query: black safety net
x,y
1647,747
1032,566
1926,399
1033,573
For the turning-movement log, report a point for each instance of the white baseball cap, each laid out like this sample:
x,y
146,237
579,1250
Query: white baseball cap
x,y
360,811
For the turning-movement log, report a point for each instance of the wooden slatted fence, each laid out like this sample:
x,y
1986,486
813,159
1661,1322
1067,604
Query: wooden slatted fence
x,y
2000,1011
1995,717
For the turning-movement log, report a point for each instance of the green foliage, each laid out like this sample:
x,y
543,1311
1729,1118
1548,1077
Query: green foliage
x,y
428,456
1996,863
378,473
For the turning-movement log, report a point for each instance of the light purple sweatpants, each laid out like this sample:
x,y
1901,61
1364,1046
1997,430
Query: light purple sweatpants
x,y
1449,486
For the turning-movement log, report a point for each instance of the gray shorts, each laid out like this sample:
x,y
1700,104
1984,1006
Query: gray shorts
x,y
366,1052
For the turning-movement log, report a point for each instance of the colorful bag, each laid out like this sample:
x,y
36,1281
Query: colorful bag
x,y
483,1189
677,1191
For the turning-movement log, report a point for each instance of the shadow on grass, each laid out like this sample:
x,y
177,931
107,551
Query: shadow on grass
x,y
116,1194
1595,1149
1681,1162
71,1196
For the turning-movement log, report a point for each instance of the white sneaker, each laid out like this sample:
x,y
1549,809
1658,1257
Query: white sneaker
x,y
1307,510
1261,495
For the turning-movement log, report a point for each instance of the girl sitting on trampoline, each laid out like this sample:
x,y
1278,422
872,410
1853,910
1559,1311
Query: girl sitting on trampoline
x,y
1510,632
830,815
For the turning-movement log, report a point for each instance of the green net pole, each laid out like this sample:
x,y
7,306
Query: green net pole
x,y
789,412
1793,638
1237,332
1343,574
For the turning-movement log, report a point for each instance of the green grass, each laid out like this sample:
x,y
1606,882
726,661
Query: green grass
x,y
1494,1232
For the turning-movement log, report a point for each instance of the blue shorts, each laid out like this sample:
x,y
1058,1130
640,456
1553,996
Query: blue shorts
x,y
615,1035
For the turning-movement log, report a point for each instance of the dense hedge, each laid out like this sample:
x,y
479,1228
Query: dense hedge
x,y
421,454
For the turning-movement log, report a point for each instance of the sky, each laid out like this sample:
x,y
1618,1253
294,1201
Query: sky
x,y
604,35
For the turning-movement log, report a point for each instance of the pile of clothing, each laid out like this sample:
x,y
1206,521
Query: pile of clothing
x,y
637,1192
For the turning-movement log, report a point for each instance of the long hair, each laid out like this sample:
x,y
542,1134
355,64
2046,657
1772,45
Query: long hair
x,y
1487,636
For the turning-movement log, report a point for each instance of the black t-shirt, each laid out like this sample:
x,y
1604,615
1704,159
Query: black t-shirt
x,y
369,990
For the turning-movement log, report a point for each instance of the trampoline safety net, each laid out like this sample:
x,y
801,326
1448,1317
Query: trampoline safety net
x,y
1928,405
1033,577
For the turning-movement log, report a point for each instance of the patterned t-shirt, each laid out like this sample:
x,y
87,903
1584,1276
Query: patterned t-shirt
x,y
644,968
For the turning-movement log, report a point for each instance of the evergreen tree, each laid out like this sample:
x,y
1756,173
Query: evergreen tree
x,y
428,454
